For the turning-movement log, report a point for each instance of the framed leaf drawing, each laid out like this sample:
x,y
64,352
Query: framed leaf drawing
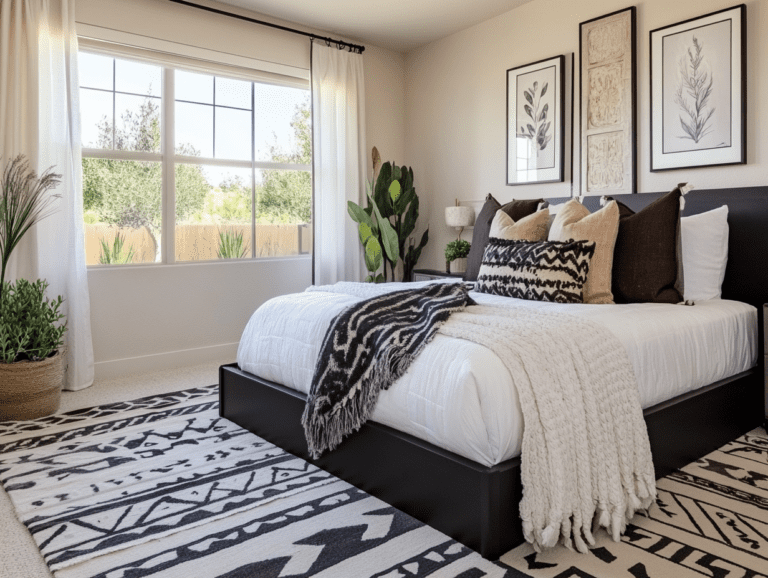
x,y
698,91
536,122
608,80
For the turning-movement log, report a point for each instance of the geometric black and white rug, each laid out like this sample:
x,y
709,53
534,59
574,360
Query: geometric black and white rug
x,y
164,487
711,519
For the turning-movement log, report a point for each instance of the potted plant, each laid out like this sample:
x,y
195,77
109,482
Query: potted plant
x,y
456,256
31,327
386,224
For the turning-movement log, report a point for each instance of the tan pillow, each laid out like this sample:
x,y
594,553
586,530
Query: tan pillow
x,y
531,228
574,221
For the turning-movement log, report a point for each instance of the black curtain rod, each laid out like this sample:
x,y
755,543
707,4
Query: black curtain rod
x,y
352,47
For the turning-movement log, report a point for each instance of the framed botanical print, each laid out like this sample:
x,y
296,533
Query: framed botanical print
x,y
608,78
698,91
536,122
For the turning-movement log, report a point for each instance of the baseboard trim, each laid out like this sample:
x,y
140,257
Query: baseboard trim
x,y
224,353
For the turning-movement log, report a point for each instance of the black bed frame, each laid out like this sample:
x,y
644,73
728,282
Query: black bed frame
x,y
479,505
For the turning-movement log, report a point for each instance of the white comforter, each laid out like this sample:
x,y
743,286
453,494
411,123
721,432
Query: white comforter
x,y
458,395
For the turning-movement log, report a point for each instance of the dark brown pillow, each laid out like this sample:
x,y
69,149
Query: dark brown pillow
x,y
515,209
519,209
645,259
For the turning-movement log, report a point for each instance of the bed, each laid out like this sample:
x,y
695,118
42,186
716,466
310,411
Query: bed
x,y
465,480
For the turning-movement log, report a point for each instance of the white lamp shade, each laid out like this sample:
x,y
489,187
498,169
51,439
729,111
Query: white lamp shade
x,y
459,216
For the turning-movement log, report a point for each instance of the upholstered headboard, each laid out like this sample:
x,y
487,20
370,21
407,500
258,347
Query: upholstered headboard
x,y
746,276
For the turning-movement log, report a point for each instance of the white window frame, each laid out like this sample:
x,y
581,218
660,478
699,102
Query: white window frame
x,y
168,160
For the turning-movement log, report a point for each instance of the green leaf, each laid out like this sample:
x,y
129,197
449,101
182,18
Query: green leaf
x,y
388,235
528,110
380,278
402,202
358,214
372,254
394,191
365,232
543,114
544,89
409,221
535,87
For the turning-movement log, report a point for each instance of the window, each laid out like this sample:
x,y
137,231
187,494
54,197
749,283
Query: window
x,y
180,166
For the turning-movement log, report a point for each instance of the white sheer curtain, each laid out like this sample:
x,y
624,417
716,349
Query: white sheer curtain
x,y
40,117
339,161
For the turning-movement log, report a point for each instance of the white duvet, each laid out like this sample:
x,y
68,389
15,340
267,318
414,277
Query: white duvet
x,y
459,396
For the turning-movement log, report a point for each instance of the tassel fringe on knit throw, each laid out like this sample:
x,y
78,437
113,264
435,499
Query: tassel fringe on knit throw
x,y
366,349
586,459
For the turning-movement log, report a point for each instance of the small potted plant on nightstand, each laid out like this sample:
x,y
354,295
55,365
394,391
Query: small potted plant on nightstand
x,y
31,327
456,256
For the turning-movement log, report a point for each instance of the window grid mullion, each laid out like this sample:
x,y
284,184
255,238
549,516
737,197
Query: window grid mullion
x,y
253,171
167,128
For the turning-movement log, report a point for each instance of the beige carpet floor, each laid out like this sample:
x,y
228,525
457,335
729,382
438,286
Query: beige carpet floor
x,y
19,556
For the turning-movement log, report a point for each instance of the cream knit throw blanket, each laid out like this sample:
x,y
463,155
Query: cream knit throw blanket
x,y
586,459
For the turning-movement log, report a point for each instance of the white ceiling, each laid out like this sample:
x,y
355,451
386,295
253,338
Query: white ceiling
x,y
399,25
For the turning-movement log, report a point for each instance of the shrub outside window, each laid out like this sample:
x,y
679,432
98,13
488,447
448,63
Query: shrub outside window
x,y
180,166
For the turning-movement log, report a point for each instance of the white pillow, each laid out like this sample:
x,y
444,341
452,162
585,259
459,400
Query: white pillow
x,y
705,253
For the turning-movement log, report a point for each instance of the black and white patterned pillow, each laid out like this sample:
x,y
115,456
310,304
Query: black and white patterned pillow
x,y
537,270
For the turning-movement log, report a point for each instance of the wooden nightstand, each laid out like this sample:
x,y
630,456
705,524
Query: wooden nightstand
x,y
429,274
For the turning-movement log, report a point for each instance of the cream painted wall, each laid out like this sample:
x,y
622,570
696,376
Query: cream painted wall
x,y
155,317
456,107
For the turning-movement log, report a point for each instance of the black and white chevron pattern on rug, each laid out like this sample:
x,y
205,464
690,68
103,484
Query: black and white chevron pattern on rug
x,y
710,519
535,270
164,487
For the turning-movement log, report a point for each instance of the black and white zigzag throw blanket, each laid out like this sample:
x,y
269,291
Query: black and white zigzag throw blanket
x,y
366,349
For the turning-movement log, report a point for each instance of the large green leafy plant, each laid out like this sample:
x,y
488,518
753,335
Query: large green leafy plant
x,y
386,224
30,324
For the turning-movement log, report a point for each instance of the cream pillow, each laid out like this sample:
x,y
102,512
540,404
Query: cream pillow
x,y
531,228
574,221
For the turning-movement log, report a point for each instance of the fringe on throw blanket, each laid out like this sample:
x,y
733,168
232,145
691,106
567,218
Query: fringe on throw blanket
x,y
366,349
586,459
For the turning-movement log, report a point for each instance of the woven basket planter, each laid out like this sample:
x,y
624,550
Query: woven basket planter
x,y
31,389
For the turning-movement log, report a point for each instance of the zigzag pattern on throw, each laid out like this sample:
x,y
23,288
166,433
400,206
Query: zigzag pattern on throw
x,y
366,349
540,271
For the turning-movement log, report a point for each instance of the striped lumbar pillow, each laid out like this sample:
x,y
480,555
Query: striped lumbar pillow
x,y
540,271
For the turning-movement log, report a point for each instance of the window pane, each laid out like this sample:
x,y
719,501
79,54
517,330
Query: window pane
x,y
122,211
283,217
282,123
233,134
138,78
96,118
213,213
95,71
194,129
194,87
235,93
138,123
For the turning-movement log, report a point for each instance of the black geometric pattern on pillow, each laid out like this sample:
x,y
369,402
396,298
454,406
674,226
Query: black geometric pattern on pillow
x,y
539,271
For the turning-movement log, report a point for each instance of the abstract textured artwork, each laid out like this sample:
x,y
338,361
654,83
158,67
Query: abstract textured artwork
x,y
608,81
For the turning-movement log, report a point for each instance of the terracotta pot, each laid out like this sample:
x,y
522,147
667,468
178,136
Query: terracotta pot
x,y
31,389
459,265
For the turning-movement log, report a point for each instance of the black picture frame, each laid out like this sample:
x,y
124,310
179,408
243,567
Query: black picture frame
x,y
702,127
626,121
531,88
